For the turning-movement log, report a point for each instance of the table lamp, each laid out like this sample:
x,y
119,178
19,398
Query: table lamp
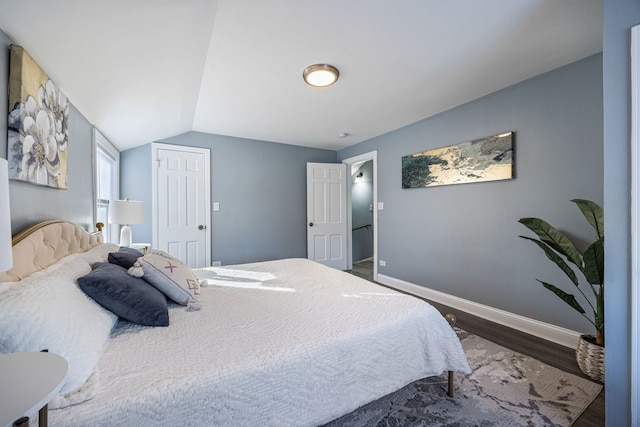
x,y
6,254
125,212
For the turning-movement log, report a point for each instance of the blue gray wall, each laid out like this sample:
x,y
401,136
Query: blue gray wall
x,y
31,203
135,184
261,188
361,214
619,16
463,239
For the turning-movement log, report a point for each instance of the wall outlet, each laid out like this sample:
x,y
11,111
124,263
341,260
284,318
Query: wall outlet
x,y
216,264
382,263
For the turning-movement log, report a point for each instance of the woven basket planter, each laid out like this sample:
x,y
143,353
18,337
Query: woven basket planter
x,y
590,357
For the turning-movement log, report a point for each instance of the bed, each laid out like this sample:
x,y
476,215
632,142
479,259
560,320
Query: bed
x,y
286,342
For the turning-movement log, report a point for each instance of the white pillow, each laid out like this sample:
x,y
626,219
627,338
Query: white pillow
x,y
170,276
53,313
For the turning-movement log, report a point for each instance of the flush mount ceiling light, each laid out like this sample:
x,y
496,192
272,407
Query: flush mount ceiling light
x,y
320,75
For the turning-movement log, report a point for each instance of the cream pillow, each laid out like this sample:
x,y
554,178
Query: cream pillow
x,y
170,276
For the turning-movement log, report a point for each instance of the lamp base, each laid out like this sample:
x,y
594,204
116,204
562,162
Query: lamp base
x,y
125,236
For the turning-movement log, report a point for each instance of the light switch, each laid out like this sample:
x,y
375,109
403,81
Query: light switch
x,y
216,206
380,206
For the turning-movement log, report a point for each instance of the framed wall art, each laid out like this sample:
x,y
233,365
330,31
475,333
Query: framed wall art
x,y
38,127
485,159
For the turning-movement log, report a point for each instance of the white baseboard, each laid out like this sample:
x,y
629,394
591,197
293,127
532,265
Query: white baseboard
x,y
547,331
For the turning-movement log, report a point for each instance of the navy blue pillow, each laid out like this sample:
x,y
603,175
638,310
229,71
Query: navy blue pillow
x,y
125,257
129,297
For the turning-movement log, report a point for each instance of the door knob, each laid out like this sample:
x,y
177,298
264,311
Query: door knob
x,y
201,227
310,224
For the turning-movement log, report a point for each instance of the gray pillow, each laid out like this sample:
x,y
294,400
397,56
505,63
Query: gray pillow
x,y
125,257
129,297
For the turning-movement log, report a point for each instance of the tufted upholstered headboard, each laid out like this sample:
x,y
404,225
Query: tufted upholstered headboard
x,y
41,245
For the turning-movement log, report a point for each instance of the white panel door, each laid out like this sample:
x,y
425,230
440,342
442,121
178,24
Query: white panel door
x,y
327,214
182,195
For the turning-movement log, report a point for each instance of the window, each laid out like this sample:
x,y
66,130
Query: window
x,y
107,183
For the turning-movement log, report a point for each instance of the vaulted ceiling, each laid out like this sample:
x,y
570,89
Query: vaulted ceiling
x,y
144,70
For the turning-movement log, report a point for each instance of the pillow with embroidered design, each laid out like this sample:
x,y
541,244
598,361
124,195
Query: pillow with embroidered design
x,y
169,275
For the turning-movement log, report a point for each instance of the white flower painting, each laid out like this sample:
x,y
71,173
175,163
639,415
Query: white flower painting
x,y
38,124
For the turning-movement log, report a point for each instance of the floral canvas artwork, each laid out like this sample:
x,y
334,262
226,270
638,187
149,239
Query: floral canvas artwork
x,y
38,124
484,159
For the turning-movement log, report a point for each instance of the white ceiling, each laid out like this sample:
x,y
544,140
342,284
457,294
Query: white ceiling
x,y
144,70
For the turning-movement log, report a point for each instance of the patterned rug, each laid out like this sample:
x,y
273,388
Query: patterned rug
x,y
505,389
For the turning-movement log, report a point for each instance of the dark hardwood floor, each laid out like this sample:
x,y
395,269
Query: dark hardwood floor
x,y
550,353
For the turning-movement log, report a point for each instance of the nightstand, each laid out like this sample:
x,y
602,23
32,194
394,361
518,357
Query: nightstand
x,y
28,381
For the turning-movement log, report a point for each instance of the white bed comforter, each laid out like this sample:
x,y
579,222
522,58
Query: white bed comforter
x,y
278,343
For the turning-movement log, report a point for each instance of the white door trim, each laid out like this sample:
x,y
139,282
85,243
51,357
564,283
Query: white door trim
x,y
635,225
372,155
155,146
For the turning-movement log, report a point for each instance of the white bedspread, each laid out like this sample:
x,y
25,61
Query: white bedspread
x,y
278,343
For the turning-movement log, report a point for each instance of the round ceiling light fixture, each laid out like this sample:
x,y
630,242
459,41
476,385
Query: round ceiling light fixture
x,y
320,75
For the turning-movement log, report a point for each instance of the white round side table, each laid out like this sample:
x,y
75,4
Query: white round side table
x,y
28,381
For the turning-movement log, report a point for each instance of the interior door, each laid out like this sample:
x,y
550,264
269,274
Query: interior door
x,y
327,214
182,199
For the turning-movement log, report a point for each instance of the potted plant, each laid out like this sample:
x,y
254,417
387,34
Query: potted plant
x,y
590,268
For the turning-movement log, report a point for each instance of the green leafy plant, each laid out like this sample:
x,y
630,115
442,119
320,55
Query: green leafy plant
x,y
590,263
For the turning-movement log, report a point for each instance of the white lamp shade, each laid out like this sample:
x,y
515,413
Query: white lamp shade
x,y
6,254
125,212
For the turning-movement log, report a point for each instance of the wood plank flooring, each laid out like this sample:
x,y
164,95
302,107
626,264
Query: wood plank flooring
x,y
550,353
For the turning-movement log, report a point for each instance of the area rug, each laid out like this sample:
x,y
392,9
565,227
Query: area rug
x,y
505,389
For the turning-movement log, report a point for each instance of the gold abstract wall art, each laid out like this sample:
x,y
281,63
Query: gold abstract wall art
x,y
484,159
38,127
